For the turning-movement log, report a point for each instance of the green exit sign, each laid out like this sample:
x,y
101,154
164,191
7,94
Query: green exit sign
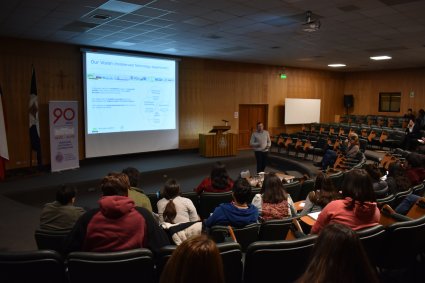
x,y
283,76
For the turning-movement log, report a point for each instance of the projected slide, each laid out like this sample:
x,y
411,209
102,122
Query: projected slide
x,y
129,94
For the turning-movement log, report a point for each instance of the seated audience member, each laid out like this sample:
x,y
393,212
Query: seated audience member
x,y
415,168
358,208
397,180
238,213
117,224
173,208
272,202
350,150
324,193
61,214
219,180
195,260
380,187
135,193
413,133
338,256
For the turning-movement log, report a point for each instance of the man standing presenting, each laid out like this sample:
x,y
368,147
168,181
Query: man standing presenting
x,y
260,142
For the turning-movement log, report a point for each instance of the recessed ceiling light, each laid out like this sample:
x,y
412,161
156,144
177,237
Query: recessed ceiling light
x,y
336,65
384,57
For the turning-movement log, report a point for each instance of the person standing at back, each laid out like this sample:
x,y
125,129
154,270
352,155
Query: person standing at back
x,y
135,193
260,142
61,214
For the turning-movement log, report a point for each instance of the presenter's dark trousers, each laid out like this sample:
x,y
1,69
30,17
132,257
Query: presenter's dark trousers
x,y
261,157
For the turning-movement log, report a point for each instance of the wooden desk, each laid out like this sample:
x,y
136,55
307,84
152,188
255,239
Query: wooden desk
x,y
212,145
299,205
287,178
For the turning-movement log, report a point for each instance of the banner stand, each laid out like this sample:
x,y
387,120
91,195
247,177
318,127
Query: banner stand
x,y
63,121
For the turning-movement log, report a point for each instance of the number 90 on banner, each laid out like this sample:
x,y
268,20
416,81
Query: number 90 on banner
x,y
68,114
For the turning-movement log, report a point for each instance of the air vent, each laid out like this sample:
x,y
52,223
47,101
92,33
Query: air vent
x,y
349,8
101,17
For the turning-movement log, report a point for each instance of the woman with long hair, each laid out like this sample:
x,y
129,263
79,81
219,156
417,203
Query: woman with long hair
x,y
195,260
338,256
397,180
324,193
173,208
358,208
379,186
273,202
218,181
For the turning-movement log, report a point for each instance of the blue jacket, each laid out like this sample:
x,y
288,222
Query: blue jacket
x,y
228,214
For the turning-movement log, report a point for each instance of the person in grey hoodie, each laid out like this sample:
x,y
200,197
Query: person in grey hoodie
x,y
237,213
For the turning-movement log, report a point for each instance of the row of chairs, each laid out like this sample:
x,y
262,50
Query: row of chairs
x,y
392,247
206,202
307,144
380,121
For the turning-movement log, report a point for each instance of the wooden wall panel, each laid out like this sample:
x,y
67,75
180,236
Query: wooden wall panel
x,y
366,86
209,91
58,73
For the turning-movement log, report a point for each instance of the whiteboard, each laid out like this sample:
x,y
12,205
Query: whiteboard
x,y
302,111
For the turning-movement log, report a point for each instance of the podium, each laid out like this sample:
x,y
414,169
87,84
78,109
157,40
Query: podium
x,y
218,143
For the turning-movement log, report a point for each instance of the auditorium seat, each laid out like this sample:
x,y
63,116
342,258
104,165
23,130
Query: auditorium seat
x,y
306,187
418,190
400,196
373,240
294,189
244,235
231,255
337,179
275,229
209,201
386,200
32,266
153,197
405,240
277,261
111,267
50,240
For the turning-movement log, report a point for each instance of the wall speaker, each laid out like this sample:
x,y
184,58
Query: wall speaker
x,y
348,101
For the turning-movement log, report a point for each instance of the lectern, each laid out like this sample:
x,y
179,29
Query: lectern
x,y
217,142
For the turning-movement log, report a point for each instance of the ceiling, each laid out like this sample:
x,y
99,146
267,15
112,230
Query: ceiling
x,y
260,31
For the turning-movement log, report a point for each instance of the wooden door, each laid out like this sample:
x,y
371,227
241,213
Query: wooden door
x,y
249,115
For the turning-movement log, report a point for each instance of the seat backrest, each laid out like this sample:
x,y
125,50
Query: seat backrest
x,y
405,241
271,230
337,179
111,267
400,196
306,187
32,266
418,190
50,240
209,201
294,189
267,260
386,200
247,235
373,240
154,198
231,255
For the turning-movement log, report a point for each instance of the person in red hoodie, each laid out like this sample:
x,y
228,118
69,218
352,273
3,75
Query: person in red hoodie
x,y
117,224
358,208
